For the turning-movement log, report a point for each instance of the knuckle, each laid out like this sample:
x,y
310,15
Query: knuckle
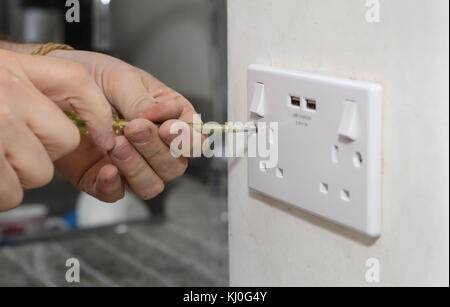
x,y
6,115
8,80
17,197
130,71
70,140
179,169
181,100
154,191
77,72
178,97
73,142
135,172
45,175
182,167
12,199
164,89
138,104
153,150
157,189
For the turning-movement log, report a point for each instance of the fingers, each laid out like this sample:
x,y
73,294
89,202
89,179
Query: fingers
x,y
171,129
168,95
42,121
144,136
108,185
162,111
11,192
131,96
42,118
91,171
128,94
81,166
22,149
33,133
172,109
27,156
141,178
191,139
69,82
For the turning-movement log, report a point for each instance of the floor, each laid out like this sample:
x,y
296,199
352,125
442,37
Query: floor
x,y
187,248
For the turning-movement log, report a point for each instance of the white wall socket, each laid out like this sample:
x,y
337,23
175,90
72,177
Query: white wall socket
x,y
329,144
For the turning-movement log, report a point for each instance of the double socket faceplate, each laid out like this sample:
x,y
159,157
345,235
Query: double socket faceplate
x,y
329,144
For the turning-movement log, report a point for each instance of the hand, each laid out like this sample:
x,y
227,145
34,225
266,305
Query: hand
x,y
142,156
34,131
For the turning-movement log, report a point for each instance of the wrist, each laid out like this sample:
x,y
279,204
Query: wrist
x,y
18,47
77,56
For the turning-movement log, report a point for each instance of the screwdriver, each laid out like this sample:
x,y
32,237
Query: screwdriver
x,y
120,124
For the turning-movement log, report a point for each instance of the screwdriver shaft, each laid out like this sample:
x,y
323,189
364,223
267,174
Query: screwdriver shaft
x,y
120,124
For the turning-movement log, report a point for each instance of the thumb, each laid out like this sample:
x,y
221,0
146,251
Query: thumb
x,y
134,101
65,81
128,94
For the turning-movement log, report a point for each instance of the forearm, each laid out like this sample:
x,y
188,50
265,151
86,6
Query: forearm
x,y
18,47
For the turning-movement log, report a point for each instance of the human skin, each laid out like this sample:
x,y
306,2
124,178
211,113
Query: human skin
x,y
30,92
141,158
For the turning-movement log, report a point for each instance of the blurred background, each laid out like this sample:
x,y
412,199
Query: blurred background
x,y
178,238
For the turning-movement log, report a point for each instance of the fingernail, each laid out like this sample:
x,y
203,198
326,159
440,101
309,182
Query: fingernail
x,y
123,152
141,137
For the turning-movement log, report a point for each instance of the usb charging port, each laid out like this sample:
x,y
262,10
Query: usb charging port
x,y
295,101
311,104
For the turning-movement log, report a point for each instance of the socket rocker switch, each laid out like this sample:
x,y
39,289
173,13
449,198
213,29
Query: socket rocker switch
x,y
257,104
349,126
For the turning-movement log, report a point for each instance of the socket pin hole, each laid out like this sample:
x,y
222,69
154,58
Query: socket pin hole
x,y
280,173
323,188
335,154
345,195
357,159
263,167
